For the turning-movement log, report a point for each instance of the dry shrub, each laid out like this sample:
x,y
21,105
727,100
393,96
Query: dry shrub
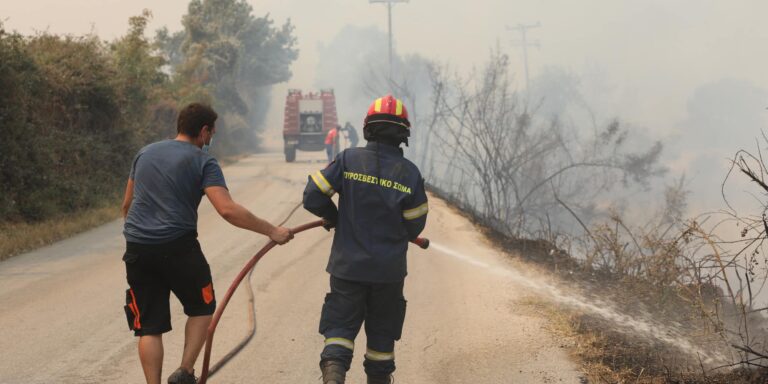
x,y
517,174
661,272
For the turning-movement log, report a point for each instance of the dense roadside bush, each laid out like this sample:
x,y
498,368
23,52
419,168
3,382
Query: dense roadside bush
x,y
74,110
66,142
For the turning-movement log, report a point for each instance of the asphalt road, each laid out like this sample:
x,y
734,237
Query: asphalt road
x,y
61,316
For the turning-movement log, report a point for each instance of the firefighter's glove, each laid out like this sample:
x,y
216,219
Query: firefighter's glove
x,y
329,224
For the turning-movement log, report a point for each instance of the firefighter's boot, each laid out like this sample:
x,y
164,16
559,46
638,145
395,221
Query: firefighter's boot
x,y
334,372
387,379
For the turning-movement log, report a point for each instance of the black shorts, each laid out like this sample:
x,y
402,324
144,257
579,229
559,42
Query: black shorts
x,y
154,271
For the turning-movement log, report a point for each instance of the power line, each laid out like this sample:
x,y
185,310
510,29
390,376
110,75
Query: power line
x,y
389,3
524,43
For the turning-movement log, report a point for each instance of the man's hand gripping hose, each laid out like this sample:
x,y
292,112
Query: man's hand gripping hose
x,y
421,242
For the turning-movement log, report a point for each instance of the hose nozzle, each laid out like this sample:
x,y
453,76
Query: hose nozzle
x,y
422,242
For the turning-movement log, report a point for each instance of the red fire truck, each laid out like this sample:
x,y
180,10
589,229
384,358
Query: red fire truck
x,y
308,118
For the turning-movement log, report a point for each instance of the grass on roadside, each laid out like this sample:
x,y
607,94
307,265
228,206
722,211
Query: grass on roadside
x,y
16,238
607,356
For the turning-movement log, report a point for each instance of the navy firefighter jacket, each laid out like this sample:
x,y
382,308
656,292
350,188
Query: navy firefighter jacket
x,y
382,205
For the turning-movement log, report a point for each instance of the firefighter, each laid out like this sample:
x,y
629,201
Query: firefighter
x,y
351,135
382,205
331,143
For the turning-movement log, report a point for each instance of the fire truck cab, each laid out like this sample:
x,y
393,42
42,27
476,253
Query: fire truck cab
x,y
308,118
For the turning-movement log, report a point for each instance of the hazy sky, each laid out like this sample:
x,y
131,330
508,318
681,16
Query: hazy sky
x,y
651,54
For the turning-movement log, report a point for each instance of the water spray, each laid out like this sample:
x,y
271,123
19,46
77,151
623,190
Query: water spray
x,y
637,325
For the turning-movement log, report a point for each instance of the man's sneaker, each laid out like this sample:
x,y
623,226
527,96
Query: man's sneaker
x,y
181,376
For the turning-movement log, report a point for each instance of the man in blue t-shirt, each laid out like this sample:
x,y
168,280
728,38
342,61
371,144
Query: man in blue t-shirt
x,y
167,181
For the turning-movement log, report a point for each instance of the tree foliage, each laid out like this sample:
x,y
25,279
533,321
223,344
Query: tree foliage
x,y
144,87
232,58
74,110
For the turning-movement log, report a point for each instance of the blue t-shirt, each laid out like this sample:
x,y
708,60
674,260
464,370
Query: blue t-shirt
x,y
169,178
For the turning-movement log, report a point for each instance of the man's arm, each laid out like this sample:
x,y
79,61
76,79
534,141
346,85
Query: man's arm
x,y
239,216
128,198
320,204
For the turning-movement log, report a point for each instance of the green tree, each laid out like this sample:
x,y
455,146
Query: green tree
x,y
228,56
143,85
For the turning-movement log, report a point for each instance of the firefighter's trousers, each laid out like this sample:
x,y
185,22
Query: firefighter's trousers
x,y
350,304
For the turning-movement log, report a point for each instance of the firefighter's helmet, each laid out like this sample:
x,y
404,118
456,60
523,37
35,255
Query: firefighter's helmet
x,y
387,121
388,109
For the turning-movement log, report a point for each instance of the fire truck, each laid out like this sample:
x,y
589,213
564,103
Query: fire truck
x,y
308,118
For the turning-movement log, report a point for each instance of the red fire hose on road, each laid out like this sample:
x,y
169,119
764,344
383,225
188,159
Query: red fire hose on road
x,y
421,242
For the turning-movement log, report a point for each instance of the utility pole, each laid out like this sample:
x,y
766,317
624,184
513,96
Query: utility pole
x,y
389,3
523,42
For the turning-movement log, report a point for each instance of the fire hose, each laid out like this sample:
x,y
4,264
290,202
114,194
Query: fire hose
x,y
421,242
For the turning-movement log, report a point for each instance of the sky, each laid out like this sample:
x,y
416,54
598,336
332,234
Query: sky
x,y
643,61
654,53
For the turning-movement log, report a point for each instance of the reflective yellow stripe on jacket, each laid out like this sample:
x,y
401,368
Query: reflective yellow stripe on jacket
x,y
415,213
322,183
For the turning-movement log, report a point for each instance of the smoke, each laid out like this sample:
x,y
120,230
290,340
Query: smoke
x,y
355,59
722,117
